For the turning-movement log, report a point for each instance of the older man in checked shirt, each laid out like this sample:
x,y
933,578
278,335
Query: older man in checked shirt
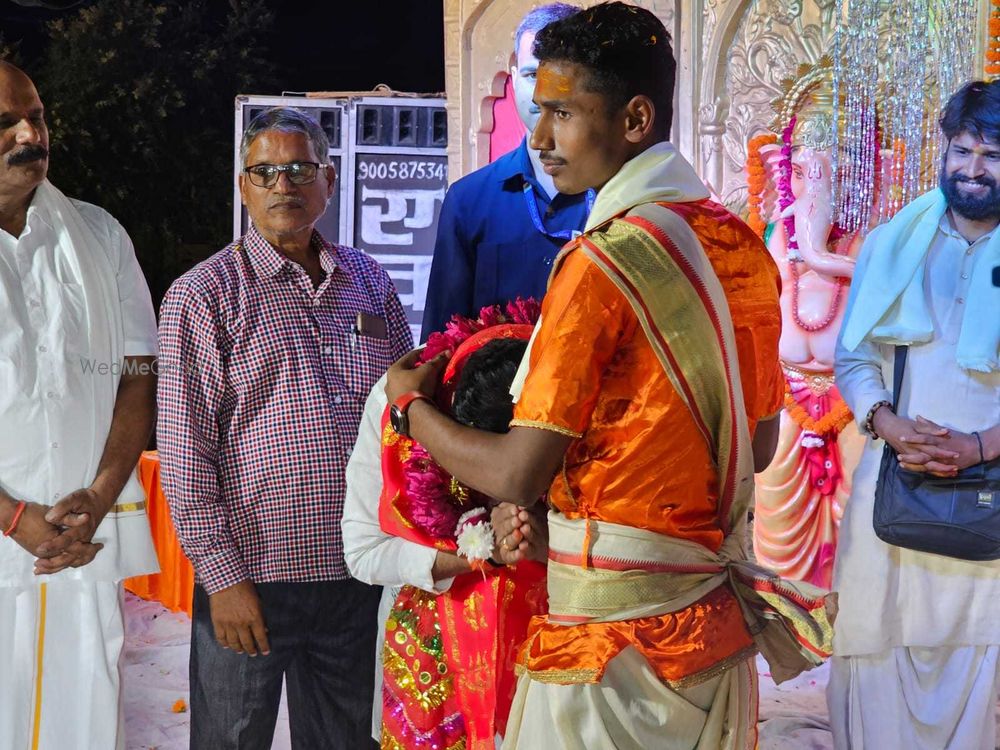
x,y
268,351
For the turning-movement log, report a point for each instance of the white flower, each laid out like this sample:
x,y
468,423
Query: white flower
x,y
474,534
811,440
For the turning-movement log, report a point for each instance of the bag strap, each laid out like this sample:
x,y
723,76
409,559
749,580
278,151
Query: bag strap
x,y
897,375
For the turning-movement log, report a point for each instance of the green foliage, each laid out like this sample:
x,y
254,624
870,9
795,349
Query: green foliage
x,y
139,99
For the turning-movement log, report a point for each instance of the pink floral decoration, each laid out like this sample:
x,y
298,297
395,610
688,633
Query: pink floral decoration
x,y
524,311
785,196
459,328
434,508
428,486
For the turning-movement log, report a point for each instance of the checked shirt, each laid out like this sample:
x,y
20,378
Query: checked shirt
x,y
262,383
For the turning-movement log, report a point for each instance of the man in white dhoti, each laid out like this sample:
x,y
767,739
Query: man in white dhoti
x,y
77,385
653,608
917,640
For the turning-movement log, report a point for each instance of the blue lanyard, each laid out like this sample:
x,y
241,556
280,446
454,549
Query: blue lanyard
x,y
536,217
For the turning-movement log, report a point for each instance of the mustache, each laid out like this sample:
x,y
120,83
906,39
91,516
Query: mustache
x,y
297,202
983,179
979,207
27,155
548,157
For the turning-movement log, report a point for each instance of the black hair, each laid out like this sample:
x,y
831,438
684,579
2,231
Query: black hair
x,y
626,51
974,109
482,395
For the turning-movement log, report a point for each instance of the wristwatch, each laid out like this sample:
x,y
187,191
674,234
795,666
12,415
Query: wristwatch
x,y
397,412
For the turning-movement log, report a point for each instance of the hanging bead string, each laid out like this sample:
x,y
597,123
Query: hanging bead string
x,y
856,72
925,45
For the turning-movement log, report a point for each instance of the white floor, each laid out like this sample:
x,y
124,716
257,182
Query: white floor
x,y
156,677
793,716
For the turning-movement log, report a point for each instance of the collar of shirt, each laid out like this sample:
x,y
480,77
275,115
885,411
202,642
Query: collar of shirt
x,y
947,227
515,169
267,261
37,212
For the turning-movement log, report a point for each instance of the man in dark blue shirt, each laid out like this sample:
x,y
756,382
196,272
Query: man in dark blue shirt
x,y
501,226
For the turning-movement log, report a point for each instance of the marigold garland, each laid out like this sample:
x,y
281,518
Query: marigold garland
x,y
757,180
992,66
830,423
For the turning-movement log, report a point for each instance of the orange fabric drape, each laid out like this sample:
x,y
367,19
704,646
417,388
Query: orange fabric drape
x,y
173,586
639,458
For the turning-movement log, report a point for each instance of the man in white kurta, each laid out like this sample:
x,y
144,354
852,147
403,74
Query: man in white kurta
x,y
76,409
917,640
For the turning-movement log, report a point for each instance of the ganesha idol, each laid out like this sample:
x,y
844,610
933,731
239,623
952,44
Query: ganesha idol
x,y
800,497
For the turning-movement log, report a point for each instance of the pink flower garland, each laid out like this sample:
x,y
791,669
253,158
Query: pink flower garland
x,y
458,329
435,502
433,506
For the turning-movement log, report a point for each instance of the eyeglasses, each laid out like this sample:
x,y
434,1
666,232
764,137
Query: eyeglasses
x,y
298,172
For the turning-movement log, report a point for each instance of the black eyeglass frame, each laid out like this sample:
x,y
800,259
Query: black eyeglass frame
x,y
287,169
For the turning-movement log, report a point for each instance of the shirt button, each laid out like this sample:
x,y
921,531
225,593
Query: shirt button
x,y
55,445
337,399
960,300
34,303
51,394
43,349
969,251
965,275
327,350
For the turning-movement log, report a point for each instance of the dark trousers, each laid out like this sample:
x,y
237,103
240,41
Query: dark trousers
x,y
322,638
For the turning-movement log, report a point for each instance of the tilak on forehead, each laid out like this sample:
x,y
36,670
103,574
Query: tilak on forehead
x,y
550,79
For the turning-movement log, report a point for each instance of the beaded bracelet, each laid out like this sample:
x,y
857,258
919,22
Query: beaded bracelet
x,y
17,517
870,418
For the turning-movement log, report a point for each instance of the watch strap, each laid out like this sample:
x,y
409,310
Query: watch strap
x,y
403,402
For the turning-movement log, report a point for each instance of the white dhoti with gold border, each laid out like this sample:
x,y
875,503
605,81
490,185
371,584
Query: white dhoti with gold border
x,y
74,306
61,680
631,708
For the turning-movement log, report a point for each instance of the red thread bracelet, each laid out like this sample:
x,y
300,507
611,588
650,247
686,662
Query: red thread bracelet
x,y
17,517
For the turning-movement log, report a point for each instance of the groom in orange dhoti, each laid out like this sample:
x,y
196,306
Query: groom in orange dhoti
x,y
646,400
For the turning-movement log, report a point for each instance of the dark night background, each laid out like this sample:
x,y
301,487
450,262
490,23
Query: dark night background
x,y
330,45
139,95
